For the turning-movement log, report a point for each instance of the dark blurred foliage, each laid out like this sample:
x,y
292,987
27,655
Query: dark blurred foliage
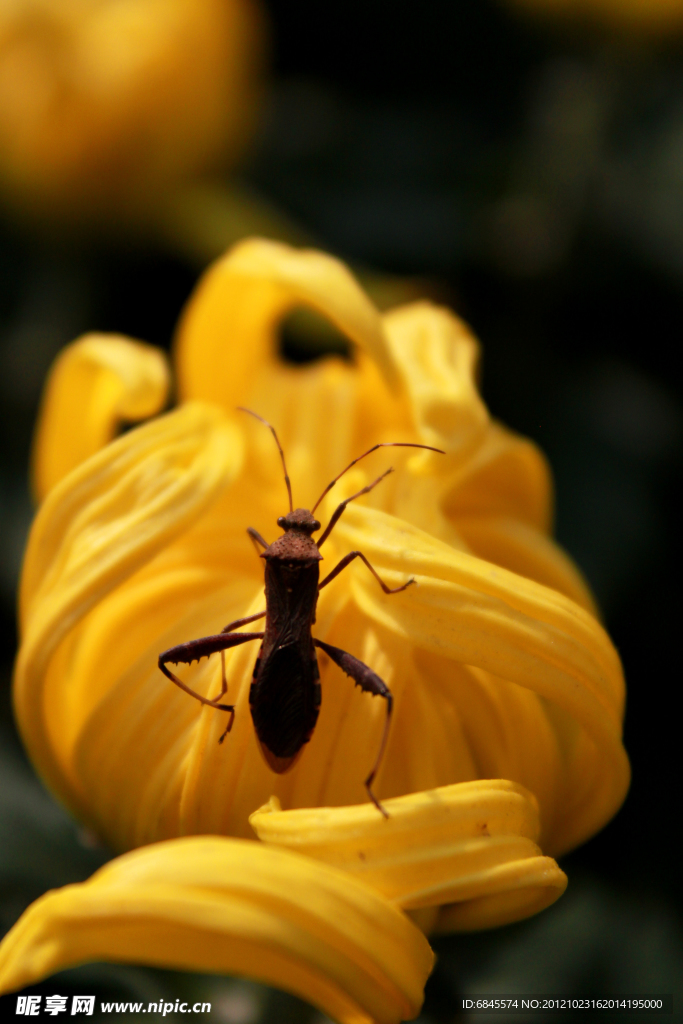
x,y
536,178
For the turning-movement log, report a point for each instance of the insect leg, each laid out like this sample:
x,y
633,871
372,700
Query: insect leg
x,y
202,648
224,682
340,508
242,622
371,683
347,559
257,539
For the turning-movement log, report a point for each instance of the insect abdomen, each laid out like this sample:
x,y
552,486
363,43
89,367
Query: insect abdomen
x,y
285,700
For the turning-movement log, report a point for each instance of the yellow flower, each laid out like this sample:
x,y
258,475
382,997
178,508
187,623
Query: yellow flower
x,y
103,103
656,16
498,665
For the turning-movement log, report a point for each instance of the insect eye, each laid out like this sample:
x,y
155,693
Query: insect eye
x,y
282,522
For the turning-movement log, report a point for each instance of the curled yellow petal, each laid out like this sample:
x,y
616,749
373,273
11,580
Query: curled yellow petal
x,y
95,383
227,330
436,356
504,475
456,844
481,615
104,521
232,907
515,891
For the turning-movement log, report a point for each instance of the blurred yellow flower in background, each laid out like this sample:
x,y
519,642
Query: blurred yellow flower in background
x,y
509,695
124,116
105,103
656,16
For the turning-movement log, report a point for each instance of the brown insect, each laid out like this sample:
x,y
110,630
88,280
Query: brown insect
x,y
285,693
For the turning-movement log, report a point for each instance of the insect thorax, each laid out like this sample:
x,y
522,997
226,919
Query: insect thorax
x,y
293,546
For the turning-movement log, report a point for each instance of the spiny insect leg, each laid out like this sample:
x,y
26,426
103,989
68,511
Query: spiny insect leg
x,y
347,559
202,648
371,683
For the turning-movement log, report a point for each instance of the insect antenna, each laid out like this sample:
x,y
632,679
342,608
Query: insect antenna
x,y
383,444
241,408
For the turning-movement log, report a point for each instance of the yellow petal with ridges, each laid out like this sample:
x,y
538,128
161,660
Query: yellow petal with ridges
x,y
94,384
140,734
227,332
436,356
506,475
104,521
509,732
453,844
481,615
232,907
518,547
486,468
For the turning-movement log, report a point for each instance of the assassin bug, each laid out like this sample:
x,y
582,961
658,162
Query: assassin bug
x,y
285,693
